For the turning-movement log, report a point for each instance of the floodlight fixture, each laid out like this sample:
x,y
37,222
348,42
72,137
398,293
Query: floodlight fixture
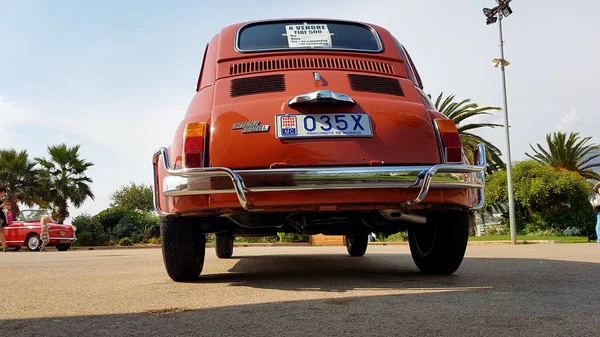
x,y
502,9
491,20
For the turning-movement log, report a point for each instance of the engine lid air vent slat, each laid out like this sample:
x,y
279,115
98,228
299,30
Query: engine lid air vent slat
x,y
376,84
307,63
257,85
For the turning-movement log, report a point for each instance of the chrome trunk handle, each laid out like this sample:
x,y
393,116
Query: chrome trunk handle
x,y
321,97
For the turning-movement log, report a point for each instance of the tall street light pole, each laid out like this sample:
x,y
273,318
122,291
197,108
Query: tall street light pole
x,y
503,10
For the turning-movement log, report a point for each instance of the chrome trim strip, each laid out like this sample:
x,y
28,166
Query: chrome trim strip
x,y
480,161
439,140
163,153
178,186
321,96
347,178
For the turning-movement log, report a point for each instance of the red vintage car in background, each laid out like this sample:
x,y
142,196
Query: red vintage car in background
x,y
25,231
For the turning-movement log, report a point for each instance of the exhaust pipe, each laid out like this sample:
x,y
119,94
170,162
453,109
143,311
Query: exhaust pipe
x,y
395,215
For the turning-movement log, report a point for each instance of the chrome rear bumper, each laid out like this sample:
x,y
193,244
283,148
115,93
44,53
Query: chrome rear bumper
x,y
213,180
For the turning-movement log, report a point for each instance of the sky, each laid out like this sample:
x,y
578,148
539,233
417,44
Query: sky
x,y
116,77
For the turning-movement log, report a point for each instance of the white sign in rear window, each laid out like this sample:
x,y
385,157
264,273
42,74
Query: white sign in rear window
x,y
308,36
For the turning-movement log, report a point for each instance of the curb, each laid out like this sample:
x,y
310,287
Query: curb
x,y
391,243
306,244
519,242
111,247
208,245
280,244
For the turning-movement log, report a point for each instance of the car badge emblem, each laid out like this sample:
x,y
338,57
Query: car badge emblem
x,y
62,233
250,127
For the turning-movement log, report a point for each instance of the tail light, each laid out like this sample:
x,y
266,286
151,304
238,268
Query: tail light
x,y
450,139
194,138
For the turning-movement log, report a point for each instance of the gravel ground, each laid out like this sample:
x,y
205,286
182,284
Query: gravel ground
x,y
525,290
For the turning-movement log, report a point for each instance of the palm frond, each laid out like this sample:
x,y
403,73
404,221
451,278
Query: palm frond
x,y
570,152
65,177
477,126
461,111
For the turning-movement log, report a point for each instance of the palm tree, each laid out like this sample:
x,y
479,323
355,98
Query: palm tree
x,y
18,175
570,153
65,179
459,112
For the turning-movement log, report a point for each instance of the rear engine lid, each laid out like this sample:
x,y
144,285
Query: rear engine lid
x,y
363,120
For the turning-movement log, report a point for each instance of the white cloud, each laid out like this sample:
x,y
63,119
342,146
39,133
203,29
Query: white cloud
x,y
119,142
569,121
13,114
123,131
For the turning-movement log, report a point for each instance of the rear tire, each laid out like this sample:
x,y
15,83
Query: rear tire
x,y
224,246
183,248
357,244
439,246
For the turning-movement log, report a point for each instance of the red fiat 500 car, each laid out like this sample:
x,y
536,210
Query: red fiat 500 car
x,y
313,126
25,231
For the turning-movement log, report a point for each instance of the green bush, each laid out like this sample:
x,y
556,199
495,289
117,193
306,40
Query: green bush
x,y
117,222
139,226
544,198
125,242
127,225
396,237
260,239
293,237
88,224
110,217
150,227
544,232
83,222
84,239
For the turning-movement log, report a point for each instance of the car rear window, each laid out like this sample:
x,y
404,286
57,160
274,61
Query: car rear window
x,y
307,35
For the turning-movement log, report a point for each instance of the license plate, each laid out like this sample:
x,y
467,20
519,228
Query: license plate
x,y
323,125
63,241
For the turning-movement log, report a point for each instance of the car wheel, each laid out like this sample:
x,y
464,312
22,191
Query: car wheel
x,y
357,244
183,248
63,247
224,245
33,242
438,246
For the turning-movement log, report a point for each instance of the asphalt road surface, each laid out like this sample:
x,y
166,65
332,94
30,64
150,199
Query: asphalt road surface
x,y
527,290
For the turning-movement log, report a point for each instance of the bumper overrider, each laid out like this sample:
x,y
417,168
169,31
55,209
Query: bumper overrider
x,y
213,180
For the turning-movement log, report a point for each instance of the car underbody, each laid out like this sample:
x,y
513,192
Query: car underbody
x,y
385,221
